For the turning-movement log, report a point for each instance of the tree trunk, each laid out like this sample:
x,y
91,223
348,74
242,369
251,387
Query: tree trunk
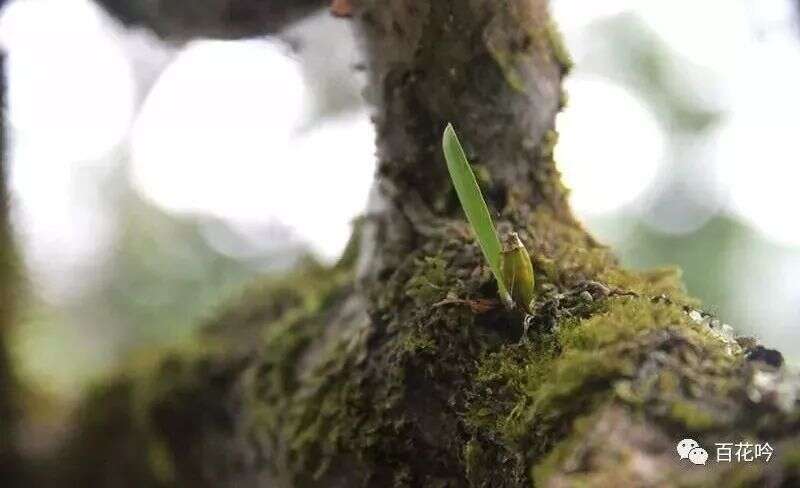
x,y
398,368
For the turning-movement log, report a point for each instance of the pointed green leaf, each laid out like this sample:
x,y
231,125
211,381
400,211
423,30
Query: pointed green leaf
x,y
469,193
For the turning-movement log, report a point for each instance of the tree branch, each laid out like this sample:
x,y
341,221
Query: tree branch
x,y
224,19
491,68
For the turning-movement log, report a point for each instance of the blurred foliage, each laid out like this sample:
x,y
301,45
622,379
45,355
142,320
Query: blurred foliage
x,y
626,50
161,278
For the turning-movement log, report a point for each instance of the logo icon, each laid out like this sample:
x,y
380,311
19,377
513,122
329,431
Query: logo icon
x,y
690,449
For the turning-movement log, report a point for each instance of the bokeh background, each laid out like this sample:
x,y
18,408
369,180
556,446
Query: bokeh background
x,y
151,181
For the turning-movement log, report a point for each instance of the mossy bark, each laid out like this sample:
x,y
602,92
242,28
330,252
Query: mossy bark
x,y
398,367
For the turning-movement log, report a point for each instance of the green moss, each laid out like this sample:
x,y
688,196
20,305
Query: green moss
x,y
430,371
544,471
528,395
626,318
507,61
424,392
692,416
666,282
376,400
429,283
541,375
742,475
522,53
563,252
558,48
474,461
791,458
356,403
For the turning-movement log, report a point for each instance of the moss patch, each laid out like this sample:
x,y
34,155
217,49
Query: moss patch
x,y
429,393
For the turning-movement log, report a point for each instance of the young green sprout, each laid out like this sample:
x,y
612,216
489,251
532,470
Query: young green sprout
x,y
511,265
518,273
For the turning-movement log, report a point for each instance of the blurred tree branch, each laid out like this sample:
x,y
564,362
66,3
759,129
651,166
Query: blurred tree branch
x,y
224,19
10,466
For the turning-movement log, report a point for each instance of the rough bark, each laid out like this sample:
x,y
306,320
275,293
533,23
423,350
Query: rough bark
x,y
226,19
394,368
